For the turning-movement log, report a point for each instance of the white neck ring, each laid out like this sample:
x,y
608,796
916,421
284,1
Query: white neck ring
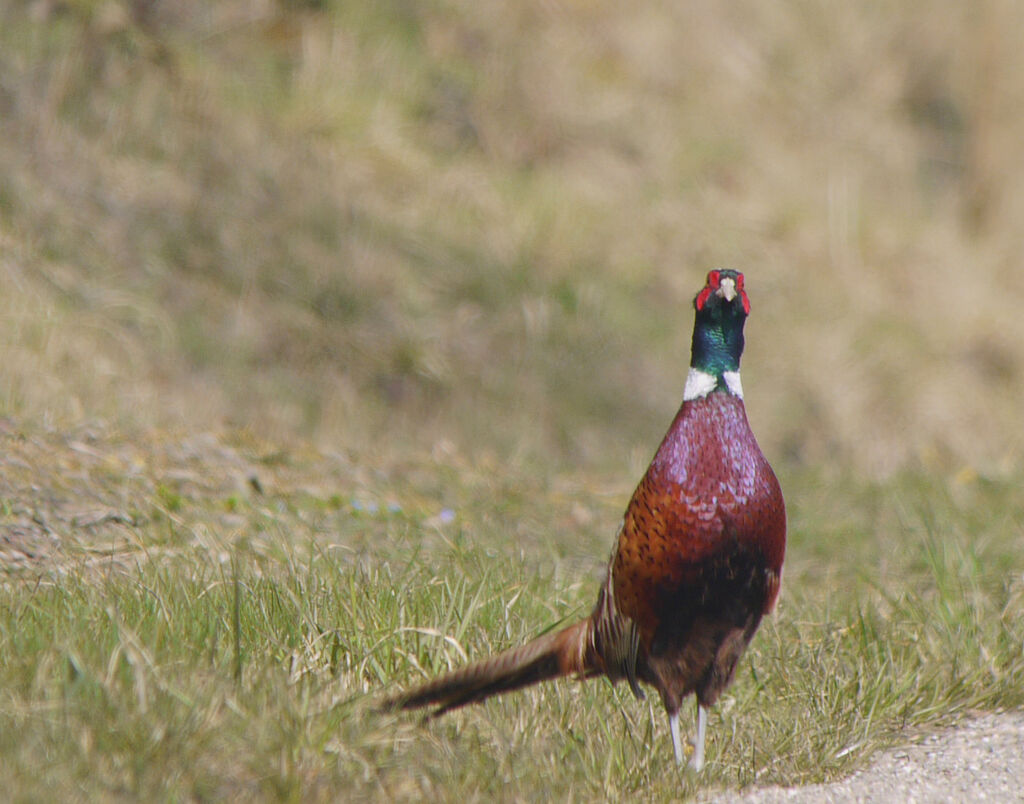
x,y
699,384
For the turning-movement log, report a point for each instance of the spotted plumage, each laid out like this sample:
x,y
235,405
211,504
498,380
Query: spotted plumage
x,y
698,558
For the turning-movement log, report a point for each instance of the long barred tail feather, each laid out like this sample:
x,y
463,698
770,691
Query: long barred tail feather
x,y
563,653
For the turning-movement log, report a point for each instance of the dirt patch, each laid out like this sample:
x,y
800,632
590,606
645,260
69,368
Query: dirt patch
x,y
981,759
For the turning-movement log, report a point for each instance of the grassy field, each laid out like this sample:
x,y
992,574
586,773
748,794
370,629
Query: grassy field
x,y
335,336
191,637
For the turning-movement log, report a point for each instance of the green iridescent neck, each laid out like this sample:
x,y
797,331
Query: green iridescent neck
x,y
717,342
716,351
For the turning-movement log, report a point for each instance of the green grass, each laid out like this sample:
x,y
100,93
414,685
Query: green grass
x,y
239,651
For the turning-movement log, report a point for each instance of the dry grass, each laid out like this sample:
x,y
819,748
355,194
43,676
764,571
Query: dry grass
x,y
366,225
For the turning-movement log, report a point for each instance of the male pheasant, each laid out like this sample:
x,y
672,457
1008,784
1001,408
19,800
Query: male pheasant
x,y
697,562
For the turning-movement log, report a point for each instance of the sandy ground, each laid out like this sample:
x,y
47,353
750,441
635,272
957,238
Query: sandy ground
x,y
981,759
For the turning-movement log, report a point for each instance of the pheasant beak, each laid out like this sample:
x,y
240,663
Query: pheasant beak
x,y
727,290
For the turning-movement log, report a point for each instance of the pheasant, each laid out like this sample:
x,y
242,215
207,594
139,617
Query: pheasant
x,y
697,562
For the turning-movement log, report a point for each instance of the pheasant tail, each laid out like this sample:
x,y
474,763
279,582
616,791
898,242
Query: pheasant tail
x,y
567,652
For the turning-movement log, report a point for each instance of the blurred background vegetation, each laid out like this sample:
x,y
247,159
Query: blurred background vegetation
x,y
396,225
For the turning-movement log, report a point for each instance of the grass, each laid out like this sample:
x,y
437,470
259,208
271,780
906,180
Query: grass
x,y
215,650
404,224
334,337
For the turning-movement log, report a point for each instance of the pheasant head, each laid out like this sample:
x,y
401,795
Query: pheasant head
x,y
722,307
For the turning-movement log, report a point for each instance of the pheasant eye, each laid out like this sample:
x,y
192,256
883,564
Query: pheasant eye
x,y
714,279
739,281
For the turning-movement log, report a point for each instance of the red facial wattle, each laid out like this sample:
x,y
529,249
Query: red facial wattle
x,y
714,284
742,293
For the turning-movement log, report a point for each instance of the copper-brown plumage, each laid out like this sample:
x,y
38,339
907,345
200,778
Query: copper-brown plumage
x,y
698,558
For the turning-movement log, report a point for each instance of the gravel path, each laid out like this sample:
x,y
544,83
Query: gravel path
x,y
981,759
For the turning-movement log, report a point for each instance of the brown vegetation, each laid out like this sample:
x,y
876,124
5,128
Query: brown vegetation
x,y
393,223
